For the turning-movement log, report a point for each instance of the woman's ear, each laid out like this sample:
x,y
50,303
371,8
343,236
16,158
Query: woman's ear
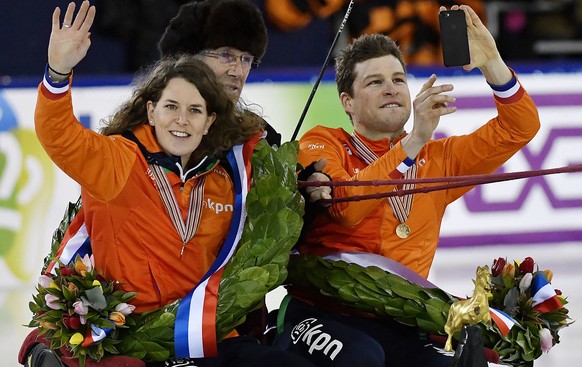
x,y
150,112
209,121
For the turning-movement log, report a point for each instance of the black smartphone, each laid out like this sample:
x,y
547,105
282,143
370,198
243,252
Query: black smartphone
x,y
454,40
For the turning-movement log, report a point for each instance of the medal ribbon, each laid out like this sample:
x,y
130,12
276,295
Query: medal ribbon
x,y
401,206
186,231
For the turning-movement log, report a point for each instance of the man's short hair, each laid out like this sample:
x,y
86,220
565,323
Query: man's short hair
x,y
365,47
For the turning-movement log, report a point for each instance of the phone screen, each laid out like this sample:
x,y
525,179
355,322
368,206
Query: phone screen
x,y
454,40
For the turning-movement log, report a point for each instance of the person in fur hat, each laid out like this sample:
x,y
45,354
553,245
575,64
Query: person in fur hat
x,y
229,36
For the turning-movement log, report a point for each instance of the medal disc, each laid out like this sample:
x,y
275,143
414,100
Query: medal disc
x,y
403,231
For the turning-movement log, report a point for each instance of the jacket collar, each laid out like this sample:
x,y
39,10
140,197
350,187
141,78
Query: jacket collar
x,y
144,137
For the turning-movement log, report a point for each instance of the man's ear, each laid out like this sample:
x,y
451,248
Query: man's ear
x,y
346,101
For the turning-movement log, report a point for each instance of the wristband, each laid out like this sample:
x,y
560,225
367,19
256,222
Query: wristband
x,y
402,168
56,72
55,87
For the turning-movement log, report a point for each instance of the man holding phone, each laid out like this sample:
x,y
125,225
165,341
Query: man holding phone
x,y
372,85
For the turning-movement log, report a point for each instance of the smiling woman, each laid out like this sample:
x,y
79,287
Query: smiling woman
x,y
180,118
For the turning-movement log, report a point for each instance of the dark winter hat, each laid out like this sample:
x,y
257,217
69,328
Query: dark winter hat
x,y
211,24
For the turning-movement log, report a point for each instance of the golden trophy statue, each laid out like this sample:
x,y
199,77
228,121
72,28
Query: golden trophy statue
x,y
470,311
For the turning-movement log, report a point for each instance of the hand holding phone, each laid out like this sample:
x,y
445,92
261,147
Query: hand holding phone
x,y
454,39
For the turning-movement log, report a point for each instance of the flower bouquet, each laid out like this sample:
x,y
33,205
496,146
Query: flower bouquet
x,y
524,293
78,309
529,314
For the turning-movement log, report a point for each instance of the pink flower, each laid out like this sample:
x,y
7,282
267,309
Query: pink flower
x,y
498,265
125,308
84,264
546,341
80,308
52,301
527,265
89,262
45,281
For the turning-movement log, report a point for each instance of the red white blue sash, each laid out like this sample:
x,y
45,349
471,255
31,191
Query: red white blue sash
x,y
75,242
194,330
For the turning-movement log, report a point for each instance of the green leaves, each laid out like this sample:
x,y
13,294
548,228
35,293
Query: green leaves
x,y
274,221
371,289
374,290
152,337
59,233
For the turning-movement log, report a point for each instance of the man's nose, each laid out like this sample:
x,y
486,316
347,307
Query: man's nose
x,y
236,68
390,88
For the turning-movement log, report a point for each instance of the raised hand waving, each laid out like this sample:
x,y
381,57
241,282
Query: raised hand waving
x,y
69,41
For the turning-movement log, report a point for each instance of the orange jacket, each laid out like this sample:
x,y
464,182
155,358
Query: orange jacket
x,y
132,237
369,225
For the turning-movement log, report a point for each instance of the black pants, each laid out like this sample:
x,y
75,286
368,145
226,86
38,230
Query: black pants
x,y
245,351
330,339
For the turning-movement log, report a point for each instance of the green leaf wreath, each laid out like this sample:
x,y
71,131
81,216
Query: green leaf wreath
x,y
373,290
273,224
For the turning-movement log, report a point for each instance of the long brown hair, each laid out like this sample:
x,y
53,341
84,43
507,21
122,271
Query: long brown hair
x,y
230,127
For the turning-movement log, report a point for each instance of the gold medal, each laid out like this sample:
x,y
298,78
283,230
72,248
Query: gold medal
x,y
403,231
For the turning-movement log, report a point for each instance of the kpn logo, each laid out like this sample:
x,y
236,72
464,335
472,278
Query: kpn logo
x,y
309,332
26,188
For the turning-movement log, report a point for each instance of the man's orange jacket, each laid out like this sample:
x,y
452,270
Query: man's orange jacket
x,y
369,225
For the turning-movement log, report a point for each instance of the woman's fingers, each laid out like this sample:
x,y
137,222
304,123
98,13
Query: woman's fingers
x,y
88,21
56,19
84,18
68,19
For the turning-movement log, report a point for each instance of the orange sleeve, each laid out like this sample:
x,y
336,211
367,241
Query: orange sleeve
x,y
486,149
100,164
320,142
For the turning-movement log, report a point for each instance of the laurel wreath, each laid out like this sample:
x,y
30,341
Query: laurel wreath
x,y
373,290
